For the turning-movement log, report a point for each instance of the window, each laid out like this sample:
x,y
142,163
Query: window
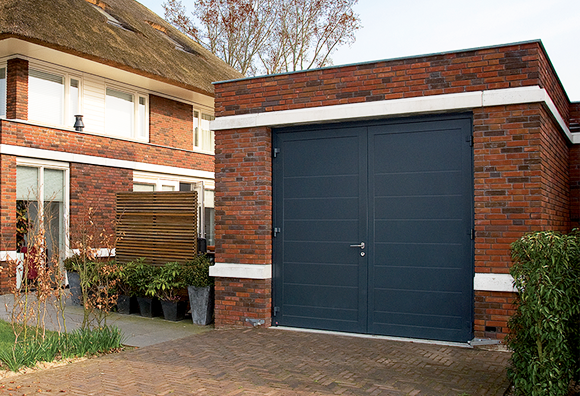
x,y
46,98
41,195
209,216
125,116
2,92
203,138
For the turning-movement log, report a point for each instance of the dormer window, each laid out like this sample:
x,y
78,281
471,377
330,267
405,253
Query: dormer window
x,y
110,19
178,45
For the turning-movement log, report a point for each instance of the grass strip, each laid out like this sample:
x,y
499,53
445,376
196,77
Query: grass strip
x,y
78,343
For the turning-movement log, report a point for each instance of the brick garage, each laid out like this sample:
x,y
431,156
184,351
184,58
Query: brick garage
x,y
525,161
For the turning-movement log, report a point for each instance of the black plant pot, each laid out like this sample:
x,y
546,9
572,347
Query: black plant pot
x,y
149,307
127,305
74,285
174,310
201,300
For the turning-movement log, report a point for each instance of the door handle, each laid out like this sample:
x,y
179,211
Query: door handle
x,y
362,245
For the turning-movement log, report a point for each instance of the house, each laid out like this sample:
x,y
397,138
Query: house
x,y
382,197
145,95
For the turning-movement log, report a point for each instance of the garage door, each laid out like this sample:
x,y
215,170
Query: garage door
x,y
373,228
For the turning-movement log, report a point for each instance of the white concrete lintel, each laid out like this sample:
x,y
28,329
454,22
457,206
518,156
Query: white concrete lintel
x,y
243,271
396,107
493,282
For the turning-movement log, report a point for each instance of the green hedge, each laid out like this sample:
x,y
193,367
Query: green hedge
x,y
544,330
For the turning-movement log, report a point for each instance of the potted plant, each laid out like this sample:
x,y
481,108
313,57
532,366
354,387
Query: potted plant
x,y
142,275
165,286
127,299
72,266
200,289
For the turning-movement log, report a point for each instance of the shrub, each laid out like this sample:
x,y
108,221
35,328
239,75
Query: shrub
x,y
196,272
166,282
138,275
544,330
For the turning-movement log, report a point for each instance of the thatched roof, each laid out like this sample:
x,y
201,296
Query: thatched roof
x,y
77,27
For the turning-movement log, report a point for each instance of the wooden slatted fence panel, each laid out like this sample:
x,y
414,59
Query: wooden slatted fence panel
x,y
158,226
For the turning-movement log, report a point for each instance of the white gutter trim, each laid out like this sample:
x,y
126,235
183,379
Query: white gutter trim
x,y
396,107
244,271
493,282
21,151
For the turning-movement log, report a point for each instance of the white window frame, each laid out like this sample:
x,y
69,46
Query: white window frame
x,y
136,94
41,165
197,131
67,116
4,65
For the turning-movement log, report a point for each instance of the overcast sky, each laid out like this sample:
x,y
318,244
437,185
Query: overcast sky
x,y
393,29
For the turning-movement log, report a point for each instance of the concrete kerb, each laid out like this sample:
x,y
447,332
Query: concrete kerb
x,y
139,331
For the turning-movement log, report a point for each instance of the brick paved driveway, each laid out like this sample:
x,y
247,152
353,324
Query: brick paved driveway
x,y
276,362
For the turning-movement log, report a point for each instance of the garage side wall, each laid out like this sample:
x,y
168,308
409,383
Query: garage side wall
x,y
521,181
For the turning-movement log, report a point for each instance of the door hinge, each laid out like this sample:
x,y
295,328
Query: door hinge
x,y
275,152
276,310
276,231
469,140
472,234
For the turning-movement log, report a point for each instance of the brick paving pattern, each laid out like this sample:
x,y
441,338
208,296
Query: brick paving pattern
x,y
278,363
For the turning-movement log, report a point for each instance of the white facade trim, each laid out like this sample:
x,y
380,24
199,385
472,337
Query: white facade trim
x,y
6,255
493,282
245,271
396,107
101,252
100,161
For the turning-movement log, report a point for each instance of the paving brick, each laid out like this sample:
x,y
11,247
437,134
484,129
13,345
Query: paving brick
x,y
275,362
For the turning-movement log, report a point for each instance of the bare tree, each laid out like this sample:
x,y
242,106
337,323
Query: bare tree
x,y
268,36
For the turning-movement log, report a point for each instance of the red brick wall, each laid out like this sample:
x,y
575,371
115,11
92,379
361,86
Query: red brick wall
x,y
521,180
20,134
8,203
489,68
245,302
7,212
243,216
17,89
575,168
549,80
170,123
94,187
492,313
575,113
243,201
555,155
507,181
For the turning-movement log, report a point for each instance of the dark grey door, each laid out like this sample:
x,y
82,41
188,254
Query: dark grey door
x,y
321,187
404,188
